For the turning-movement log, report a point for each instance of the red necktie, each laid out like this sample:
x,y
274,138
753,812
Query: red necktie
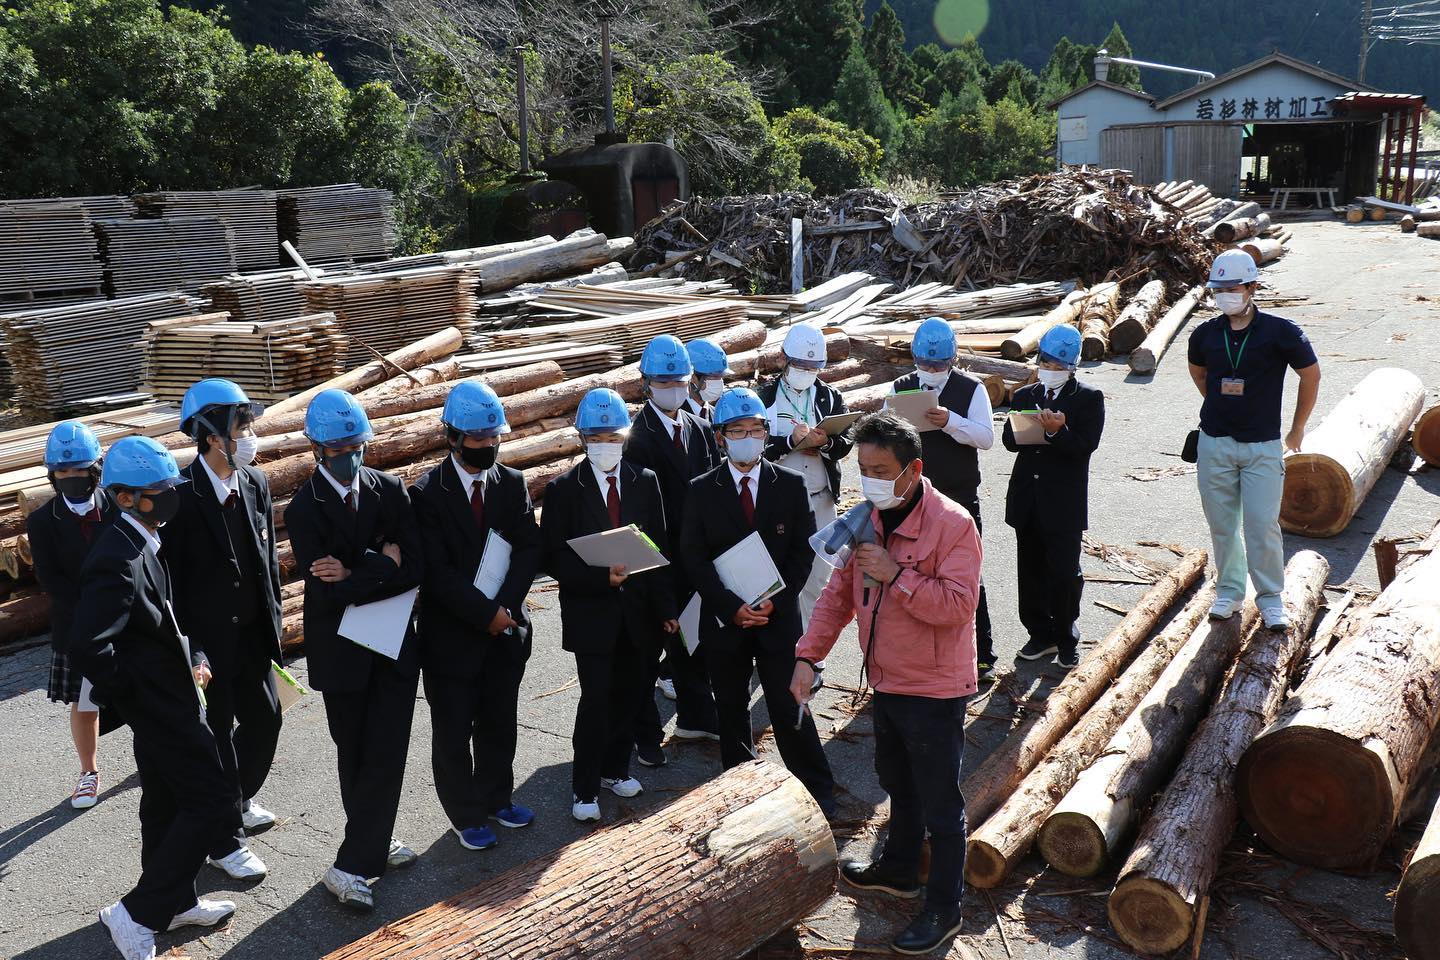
x,y
679,440
230,500
612,503
89,523
350,501
477,504
747,502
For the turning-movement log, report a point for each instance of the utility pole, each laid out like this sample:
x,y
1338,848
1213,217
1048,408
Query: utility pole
x,y
1364,40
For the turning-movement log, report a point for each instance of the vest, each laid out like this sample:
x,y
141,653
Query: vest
x,y
249,596
953,467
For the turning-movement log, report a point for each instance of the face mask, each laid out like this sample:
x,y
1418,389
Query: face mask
x,y
245,450
669,397
881,493
799,380
75,489
481,458
606,456
1052,379
710,390
163,507
745,450
1232,304
933,381
344,466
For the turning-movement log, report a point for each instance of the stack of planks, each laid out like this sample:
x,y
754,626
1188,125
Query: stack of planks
x,y
175,253
270,361
258,297
249,213
47,254
627,332
576,359
339,223
382,312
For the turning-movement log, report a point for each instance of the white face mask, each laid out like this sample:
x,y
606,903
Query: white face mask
x,y
800,380
606,456
1232,303
245,449
670,396
881,493
710,390
1052,379
746,450
933,381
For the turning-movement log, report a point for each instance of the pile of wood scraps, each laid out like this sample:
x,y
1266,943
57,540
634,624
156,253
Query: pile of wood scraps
x,y
339,223
174,253
270,361
250,214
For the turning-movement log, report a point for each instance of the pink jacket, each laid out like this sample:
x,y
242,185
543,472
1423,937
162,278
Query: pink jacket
x,y
924,639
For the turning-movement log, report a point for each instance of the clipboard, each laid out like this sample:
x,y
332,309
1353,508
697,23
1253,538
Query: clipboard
x,y
912,405
625,545
380,626
1025,424
747,571
838,423
494,566
288,690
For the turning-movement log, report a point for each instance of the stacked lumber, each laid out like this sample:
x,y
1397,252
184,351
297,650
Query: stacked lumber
x,y
628,332
248,213
339,223
958,305
382,312
84,356
258,297
575,358
176,253
47,253
270,361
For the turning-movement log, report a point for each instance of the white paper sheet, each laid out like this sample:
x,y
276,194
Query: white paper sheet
x,y
748,572
623,545
1027,429
912,406
494,565
380,626
690,624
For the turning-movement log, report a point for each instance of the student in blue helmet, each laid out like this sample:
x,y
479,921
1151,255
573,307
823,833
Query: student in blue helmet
x,y
226,568
61,534
1047,502
355,540
474,641
711,366
126,641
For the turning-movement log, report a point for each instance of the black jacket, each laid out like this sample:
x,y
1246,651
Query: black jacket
x,y
714,523
454,616
204,572
1049,484
320,525
592,612
651,446
828,402
58,549
122,636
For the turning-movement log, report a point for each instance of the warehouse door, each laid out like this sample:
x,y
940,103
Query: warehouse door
x,y
1209,153
1139,149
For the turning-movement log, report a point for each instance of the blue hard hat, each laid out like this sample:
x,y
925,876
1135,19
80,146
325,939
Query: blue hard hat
x,y
737,403
335,419
71,445
139,463
602,410
934,341
1061,345
473,408
707,357
210,393
665,356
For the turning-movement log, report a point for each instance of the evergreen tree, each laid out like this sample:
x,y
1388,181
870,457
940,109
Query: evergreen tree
x,y
861,103
1117,46
885,49
1012,78
803,47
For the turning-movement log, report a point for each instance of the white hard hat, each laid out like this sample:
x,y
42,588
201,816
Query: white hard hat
x,y
1232,267
805,342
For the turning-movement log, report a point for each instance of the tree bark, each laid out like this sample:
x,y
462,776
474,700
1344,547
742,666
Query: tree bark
x,y
1431,230
1263,250
1340,460
542,448
24,615
983,366
1004,838
1417,901
867,399
1235,230
998,776
1425,438
709,877
1138,317
1324,783
1025,342
572,255
1146,357
441,371
1242,212
1407,223
416,354
1095,321
1155,902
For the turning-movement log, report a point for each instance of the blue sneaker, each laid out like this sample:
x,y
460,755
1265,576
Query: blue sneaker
x,y
513,816
477,838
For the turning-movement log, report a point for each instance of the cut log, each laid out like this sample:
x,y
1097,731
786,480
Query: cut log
x,y
1417,902
984,366
421,352
1138,317
1407,223
575,254
1024,343
1354,214
1234,230
1425,437
867,399
1146,357
24,616
1263,251
1431,230
998,776
1095,322
712,875
1324,783
1000,842
541,448
1340,460
1242,212
428,375
1378,213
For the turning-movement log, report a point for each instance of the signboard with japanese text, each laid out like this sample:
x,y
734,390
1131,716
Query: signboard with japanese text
x,y
1274,93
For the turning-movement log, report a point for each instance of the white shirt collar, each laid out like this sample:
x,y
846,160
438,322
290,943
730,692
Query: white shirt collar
x,y
670,425
340,488
223,488
603,479
467,479
82,509
152,542
753,473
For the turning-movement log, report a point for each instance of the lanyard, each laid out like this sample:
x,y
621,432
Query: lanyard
x,y
801,415
1235,360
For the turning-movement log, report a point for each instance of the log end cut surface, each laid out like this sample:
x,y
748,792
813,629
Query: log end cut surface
x,y
1426,436
1316,501
985,866
1417,911
1073,844
1149,916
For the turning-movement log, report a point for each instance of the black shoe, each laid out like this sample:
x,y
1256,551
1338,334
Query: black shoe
x,y
1036,649
874,876
985,669
1068,659
650,755
927,931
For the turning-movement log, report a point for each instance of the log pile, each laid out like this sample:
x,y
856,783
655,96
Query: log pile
x,y
339,223
1417,901
249,214
270,361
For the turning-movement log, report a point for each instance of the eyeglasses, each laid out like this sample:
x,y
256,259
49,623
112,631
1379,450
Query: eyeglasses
x,y
939,366
740,433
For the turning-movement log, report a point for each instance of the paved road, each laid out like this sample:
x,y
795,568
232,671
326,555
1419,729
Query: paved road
x,y
1367,289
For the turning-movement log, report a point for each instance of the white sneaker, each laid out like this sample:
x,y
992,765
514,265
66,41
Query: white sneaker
x,y
629,787
350,890
1223,608
240,865
667,687
1275,618
255,816
685,733
205,913
400,855
87,791
587,811
132,940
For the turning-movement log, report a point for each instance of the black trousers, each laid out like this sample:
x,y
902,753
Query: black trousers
x,y
694,700
800,749
371,730
473,724
186,800
984,638
244,715
919,743
1050,583
614,688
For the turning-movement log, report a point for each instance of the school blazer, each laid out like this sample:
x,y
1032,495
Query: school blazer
x,y
58,550
828,402
1049,484
714,523
594,615
652,447
454,615
320,525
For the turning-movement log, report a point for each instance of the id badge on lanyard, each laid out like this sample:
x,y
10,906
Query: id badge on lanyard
x,y
1234,386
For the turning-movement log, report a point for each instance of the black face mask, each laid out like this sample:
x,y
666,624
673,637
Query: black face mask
x,y
163,507
344,466
74,489
481,458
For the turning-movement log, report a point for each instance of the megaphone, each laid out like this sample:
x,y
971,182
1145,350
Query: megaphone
x,y
835,542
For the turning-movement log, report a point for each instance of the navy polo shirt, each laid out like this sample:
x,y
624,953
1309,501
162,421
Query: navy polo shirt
x,y
1274,343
